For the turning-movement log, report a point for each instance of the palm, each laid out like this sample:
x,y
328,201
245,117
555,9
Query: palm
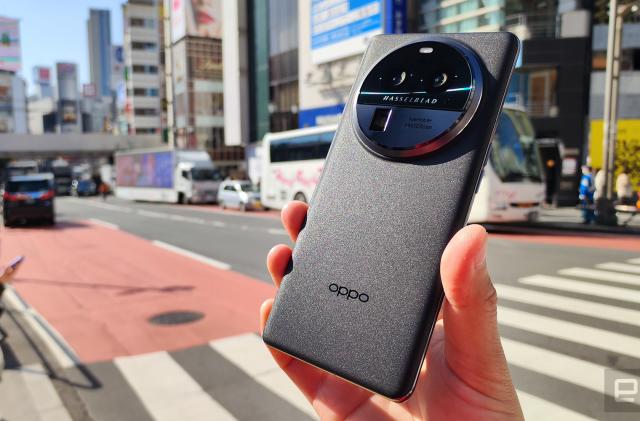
x,y
456,382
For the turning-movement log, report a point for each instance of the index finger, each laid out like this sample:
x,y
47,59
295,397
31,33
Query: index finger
x,y
294,216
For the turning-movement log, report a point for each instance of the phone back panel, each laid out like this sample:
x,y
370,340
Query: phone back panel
x,y
379,227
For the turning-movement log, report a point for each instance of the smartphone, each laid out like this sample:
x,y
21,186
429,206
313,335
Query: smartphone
x,y
15,262
363,291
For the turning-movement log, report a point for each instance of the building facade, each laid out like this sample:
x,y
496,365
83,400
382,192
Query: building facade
x,y
13,103
69,117
142,66
197,82
99,43
42,82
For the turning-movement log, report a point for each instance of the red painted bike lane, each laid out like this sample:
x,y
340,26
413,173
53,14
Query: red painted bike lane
x,y
98,287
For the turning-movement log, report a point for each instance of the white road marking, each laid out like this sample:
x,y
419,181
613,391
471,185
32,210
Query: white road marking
x,y
569,331
558,366
536,408
635,261
572,305
103,223
59,348
103,205
580,287
602,275
250,354
276,231
218,224
204,259
28,393
621,267
167,390
152,214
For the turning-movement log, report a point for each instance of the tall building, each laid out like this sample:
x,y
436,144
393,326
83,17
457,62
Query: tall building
x,y
69,119
142,61
99,42
13,103
198,88
438,16
42,82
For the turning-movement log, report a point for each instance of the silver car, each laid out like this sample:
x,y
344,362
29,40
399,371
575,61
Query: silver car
x,y
239,194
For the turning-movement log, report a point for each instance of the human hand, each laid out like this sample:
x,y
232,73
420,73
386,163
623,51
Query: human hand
x,y
465,375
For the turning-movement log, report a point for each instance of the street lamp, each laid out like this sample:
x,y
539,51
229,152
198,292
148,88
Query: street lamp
x,y
606,211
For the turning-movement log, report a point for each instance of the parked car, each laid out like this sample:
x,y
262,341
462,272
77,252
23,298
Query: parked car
x,y
240,194
85,187
28,197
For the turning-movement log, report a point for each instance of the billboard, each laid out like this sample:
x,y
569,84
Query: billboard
x,y
199,18
342,28
41,75
117,66
9,44
149,169
628,136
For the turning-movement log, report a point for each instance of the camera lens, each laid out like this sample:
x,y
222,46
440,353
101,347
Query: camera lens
x,y
439,79
398,78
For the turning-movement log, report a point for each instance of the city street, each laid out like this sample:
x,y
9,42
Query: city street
x,y
81,332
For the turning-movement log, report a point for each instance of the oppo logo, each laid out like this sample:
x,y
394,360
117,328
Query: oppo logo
x,y
349,294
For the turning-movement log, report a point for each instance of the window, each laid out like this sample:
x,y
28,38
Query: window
x,y
142,23
146,111
145,130
230,188
145,68
301,148
144,46
153,92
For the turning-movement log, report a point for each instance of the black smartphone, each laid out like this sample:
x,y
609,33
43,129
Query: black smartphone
x,y
363,293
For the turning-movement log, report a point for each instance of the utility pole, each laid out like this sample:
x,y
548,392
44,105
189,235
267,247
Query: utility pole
x,y
168,72
606,214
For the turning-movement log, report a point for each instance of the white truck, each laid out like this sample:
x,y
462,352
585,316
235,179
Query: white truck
x,y
167,175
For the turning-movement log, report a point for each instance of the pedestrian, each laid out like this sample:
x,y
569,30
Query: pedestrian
x,y
586,192
624,189
465,376
103,189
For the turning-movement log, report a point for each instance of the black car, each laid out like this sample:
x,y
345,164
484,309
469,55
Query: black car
x,y
29,197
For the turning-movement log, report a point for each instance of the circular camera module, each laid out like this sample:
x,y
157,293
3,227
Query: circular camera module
x,y
398,78
439,80
408,112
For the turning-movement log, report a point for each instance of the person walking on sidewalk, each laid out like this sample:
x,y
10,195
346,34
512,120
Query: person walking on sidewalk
x,y
586,191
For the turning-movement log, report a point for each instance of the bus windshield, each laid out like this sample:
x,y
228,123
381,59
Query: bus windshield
x,y
513,153
307,147
205,174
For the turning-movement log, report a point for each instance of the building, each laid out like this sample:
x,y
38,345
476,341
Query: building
x,y
197,82
142,61
69,119
42,115
99,43
13,103
331,39
628,128
42,82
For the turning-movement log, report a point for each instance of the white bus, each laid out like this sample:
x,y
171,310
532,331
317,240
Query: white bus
x,y
511,187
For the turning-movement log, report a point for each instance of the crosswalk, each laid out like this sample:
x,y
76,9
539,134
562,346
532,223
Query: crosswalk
x,y
560,332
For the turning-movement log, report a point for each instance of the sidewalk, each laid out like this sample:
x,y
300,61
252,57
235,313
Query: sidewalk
x,y
569,219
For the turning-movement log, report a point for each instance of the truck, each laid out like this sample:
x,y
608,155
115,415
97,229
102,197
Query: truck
x,y
167,175
62,177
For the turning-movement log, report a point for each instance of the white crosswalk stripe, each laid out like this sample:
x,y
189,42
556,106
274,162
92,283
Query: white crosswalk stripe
x,y
536,408
573,305
167,391
621,267
580,287
250,354
635,261
602,275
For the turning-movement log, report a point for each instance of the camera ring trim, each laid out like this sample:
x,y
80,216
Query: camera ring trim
x,y
433,144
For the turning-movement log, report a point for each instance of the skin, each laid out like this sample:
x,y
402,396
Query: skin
x,y
465,374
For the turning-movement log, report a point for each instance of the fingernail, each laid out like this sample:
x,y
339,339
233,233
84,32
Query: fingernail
x,y
481,256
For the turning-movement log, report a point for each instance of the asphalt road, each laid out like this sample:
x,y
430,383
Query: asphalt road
x,y
569,314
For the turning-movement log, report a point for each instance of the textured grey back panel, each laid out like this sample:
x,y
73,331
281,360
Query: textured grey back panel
x,y
380,227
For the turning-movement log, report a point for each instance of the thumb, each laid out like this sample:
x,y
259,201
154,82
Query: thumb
x,y
472,342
